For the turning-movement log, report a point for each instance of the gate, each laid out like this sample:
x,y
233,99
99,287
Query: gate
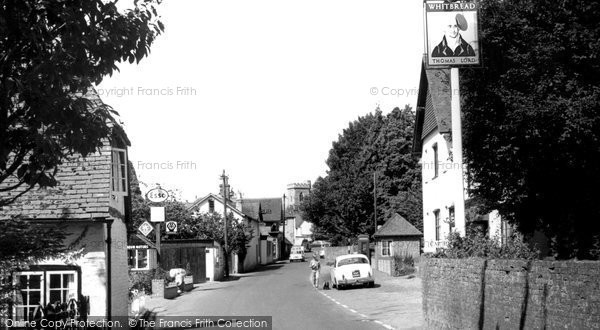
x,y
181,254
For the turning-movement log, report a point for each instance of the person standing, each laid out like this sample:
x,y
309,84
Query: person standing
x,y
315,267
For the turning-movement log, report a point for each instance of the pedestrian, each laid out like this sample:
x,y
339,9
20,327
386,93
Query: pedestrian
x,y
315,267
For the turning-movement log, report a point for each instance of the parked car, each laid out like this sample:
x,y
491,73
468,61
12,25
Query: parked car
x,y
297,253
351,269
320,246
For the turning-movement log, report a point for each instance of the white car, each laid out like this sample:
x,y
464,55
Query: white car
x,y
351,269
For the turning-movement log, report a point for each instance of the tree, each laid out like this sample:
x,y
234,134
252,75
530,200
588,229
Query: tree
x,y
531,120
51,52
341,203
211,226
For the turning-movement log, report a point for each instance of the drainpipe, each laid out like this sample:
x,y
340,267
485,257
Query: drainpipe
x,y
108,269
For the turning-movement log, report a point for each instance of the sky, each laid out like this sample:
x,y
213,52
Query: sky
x,y
261,88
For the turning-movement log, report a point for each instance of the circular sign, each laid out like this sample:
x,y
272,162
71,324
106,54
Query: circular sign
x,y
157,195
171,227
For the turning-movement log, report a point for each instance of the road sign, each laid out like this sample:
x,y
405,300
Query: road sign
x,y
157,195
157,214
171,227
145,228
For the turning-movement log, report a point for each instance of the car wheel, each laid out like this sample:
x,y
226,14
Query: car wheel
x,y
371,284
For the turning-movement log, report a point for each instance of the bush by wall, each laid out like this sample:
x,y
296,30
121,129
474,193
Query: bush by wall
x,y
480,246
403,265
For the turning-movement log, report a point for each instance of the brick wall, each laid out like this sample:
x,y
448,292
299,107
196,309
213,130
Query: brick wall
x,y
510,294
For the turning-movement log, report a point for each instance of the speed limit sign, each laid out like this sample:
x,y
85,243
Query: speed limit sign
x,y
171,227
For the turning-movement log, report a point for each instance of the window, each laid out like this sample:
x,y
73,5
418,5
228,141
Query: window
x,y
119,171
353,261
435,161
138,258
451,218
436,214
29,296
301,197
61,286
385,248
39,288
211,206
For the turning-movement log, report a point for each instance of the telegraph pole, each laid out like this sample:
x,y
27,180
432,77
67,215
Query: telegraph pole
x,y
284,220
225,197
374,202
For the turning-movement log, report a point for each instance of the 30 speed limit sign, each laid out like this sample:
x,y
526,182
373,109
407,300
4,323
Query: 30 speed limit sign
x,y
171,227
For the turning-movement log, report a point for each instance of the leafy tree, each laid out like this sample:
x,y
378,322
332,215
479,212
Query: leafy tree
x,y
341,203
51,52
531,120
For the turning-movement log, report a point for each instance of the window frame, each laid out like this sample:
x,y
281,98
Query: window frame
x,y
136,260
44,288
115,175
62,272
387,248
435,160
436,217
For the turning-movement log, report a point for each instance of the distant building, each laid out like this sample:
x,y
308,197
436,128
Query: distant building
x,y
212,203
269,212
397,237
298,230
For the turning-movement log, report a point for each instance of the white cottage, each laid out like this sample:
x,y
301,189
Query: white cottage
x,y
432,142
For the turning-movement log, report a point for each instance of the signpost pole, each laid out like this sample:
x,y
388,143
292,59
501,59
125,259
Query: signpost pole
x,y
459,198
157,228
225,197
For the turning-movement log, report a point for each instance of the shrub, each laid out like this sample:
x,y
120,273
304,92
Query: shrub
x,y
403,265
479,245
141,281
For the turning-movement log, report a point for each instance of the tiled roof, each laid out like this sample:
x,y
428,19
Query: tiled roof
x,y
433,105
397,226
265,209
83,189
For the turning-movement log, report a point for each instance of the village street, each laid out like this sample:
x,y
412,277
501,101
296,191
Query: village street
x,y
283,291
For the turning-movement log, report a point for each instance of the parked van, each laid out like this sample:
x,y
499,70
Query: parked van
x,y
297,253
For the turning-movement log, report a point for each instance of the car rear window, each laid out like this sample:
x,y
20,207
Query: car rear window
x,y
351,261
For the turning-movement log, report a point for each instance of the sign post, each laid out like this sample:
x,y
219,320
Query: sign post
x,y
157,214
452,41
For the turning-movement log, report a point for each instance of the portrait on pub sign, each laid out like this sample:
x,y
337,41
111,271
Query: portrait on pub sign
x,y
452,36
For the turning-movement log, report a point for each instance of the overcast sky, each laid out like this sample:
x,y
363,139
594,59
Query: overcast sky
x,y
261,89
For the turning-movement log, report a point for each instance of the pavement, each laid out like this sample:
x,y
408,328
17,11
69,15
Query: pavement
x,y
396,302
283,291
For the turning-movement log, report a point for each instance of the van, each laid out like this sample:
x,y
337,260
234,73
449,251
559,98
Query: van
x,y
297,253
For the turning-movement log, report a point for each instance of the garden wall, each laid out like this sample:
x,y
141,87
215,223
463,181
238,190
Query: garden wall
x,y
510,294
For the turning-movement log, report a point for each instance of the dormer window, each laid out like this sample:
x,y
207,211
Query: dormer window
x,y
119,171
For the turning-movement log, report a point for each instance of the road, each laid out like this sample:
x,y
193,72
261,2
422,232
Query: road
x,y
281,290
